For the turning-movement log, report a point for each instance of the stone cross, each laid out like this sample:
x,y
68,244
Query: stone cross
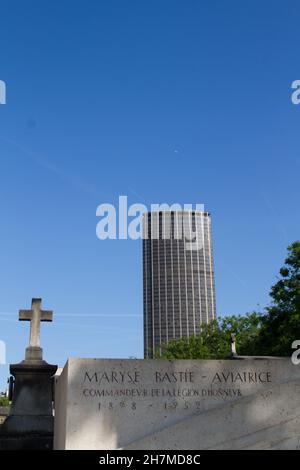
x,y
233,344
35,316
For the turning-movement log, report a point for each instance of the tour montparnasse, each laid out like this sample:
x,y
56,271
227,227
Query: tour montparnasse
x,y
179,286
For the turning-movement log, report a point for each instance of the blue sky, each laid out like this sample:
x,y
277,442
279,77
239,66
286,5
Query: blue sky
x,y
162,101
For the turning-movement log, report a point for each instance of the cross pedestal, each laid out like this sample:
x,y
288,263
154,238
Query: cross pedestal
x,y
30,423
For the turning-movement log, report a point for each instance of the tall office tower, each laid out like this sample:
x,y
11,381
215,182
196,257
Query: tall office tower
x,y
179,288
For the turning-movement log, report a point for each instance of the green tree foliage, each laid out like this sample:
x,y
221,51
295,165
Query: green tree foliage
x,y
215,338
210,344
4,401
270,334
246,329
281,323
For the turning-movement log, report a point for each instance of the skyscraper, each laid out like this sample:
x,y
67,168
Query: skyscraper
x,y
178,275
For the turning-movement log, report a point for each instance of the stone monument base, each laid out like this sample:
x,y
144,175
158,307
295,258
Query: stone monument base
x,y
21,441
30,423
182,404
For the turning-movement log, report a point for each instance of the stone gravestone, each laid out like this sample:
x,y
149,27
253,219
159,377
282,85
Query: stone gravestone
x,y
180,404
30,422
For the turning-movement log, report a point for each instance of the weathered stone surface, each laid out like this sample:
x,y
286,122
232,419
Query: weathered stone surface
x,y
266,420
30,422
159,404
34,351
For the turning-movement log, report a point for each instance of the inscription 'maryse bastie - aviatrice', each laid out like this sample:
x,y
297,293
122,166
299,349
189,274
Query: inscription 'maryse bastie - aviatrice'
x,y
180,384
134,377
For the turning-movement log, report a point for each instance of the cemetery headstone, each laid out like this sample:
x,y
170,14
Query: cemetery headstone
x,y
178,404
30,423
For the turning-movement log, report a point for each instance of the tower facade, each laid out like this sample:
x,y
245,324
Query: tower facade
x,y
178,276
